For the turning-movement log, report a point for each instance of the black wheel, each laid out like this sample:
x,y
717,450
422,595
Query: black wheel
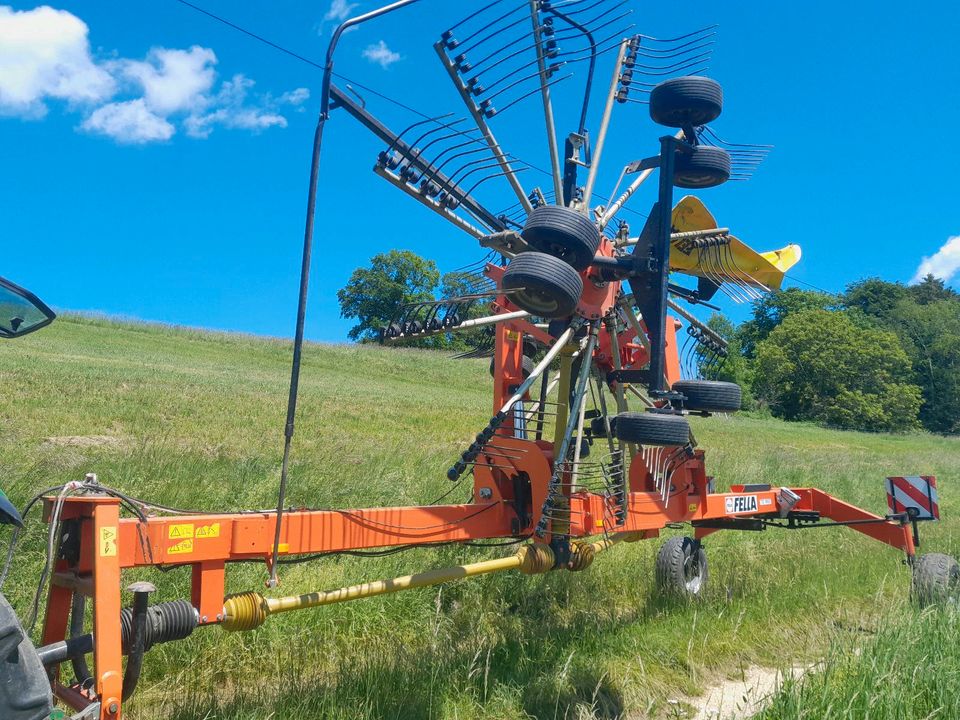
x,y
545,286
563,233
681,568
704,166
528,365
24,687
651,428
936,578
686,101
710,395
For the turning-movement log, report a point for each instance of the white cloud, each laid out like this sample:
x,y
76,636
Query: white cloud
x,y
944,263
381,54
128,122
173,80
45,53
230,110
339,10
295,97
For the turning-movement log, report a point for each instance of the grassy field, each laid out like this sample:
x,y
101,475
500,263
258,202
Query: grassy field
x,y
194,419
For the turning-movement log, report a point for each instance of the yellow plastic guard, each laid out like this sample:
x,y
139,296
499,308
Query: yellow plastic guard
x,y
735,261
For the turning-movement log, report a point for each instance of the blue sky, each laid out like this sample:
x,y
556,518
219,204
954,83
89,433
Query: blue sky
x,y
153,163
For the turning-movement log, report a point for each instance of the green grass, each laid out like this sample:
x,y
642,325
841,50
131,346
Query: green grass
x,y
909,669
194,419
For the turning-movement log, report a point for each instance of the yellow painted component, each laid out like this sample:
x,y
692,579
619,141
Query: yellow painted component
x,y
108,542
768,267
180,532
184,547
247,611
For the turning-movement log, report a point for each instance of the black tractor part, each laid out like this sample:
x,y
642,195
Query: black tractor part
x,y
704,166
936,579
686,101
24,686
563,233
528,366
713,396
681,568
651,428
543,285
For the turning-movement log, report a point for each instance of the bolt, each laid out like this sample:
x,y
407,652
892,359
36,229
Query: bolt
x,y
486,493
203,619
114,708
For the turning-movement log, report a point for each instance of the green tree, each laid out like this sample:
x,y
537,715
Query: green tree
x,y
818,365
773,308
374,294
736,367
931,336
932,289
875,298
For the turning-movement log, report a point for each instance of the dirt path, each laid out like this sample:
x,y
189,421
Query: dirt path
x,y
742,697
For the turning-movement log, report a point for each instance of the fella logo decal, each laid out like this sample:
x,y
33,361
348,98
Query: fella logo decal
x,y
740,504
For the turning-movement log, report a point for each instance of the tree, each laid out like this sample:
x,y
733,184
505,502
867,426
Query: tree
x,y
373,295
875,298
931,289
818,365
930,334
735,367
774,308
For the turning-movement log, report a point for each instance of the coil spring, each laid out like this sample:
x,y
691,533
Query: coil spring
x,y
581,556
536,558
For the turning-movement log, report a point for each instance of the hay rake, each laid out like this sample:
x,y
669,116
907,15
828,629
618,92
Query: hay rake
x,y
588,445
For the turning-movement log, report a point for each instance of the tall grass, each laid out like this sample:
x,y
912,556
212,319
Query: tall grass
x,y
194,419
908,670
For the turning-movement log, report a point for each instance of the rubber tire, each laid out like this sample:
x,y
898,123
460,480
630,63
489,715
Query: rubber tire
x,y
681,568
686,101
528,365
24,687
552,287
936,578
705,166
710,395
651,428
563,233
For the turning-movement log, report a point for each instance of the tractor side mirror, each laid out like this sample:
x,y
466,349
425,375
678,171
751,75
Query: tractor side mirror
x,y
21,312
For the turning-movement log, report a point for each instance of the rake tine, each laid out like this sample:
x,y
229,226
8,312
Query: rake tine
x,y
532,92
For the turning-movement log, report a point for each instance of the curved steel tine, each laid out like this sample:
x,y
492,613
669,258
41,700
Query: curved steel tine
x,y
536,74
735,282
474,14
490,177
674,67
532,92
415,152
496,32
682,37
668,53
488,24
393,145
420,151
713,134
464,153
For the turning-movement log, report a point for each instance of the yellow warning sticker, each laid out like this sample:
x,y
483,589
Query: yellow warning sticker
x,y
692,507
181,548
208,531
599,523
108,542
179,532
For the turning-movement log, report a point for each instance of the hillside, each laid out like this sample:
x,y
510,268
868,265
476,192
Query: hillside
x,y
194,420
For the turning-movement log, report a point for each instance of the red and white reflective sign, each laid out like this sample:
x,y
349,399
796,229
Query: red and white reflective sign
x,y
918,492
